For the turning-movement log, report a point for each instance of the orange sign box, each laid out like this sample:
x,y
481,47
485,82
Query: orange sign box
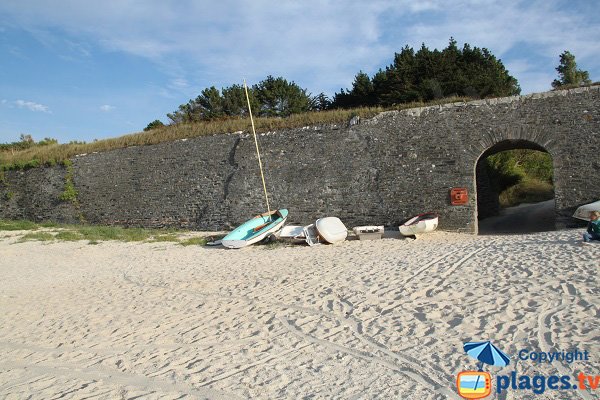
x,y
459,196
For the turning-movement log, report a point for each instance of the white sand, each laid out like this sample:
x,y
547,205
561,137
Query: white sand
x,y
375,319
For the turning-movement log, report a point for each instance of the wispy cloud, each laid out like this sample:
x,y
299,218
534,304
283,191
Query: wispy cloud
x,y
107,108
320,45
30,105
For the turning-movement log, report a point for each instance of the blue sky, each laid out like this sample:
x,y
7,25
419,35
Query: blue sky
x,y
85,70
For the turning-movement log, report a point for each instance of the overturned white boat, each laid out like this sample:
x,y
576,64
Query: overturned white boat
x,y
421,223
331,229
583,212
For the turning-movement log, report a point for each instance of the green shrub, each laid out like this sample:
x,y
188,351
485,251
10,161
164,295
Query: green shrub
x,y
521,176
17,225
197,241
97,233
526,191
69,193
69,236
42,236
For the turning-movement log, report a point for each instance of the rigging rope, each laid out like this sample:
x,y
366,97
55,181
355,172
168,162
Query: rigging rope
x,y
262,175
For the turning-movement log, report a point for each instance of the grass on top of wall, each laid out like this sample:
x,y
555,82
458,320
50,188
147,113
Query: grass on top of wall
x,y
56,153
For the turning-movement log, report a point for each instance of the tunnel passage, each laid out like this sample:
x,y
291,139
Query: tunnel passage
x,y
515,188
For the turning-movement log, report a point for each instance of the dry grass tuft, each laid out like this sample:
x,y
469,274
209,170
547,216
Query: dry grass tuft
x,y
56,153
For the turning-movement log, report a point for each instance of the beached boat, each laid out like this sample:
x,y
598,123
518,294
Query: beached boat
x,y
311,235
583,212
421,223
255,229
368,232
292,233
331,229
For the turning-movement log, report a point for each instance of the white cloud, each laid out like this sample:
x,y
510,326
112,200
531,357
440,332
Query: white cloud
x,y
30,105
107,108
320,45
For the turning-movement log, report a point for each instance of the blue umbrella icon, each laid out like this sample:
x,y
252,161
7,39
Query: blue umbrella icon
x,y
486,352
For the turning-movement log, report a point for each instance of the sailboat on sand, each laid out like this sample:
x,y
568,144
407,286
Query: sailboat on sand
x,y
263,225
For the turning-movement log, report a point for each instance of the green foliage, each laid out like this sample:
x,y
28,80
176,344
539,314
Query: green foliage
x,y
197,241
17,225
521,176
41,236
279,98
272,97
427,75
568,73
526,191
362,93
26,142
154,125
69,193
321,102
235,103
47,142
170,237
515,165
96,234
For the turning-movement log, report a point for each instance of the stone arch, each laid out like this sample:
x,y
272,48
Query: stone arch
x,y
484,197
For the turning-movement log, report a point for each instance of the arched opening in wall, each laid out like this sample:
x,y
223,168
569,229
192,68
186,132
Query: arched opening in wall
x,y
515,190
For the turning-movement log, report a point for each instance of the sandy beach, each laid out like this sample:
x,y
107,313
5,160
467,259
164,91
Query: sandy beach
x,y
359,320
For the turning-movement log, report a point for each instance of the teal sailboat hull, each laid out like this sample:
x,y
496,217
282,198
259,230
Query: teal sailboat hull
x,y
255,229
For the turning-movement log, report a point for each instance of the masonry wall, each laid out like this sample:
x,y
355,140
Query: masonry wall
x,y
381,171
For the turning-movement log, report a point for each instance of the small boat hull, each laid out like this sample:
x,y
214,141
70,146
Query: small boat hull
x,y
311,236
331,229
369,232
421,223
255,229
583,212
292,233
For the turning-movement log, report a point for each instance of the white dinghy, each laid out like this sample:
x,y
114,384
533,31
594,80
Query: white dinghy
x,y
292,233
421,223
331,229
583,212
368,232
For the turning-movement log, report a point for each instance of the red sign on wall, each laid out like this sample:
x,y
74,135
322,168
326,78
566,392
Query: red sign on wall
x,y
459,196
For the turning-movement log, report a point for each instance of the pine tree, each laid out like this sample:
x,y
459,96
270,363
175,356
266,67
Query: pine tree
x,y
568,72
209,104
279,98
154,125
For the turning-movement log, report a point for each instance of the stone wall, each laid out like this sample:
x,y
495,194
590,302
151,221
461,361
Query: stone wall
x,y
381,171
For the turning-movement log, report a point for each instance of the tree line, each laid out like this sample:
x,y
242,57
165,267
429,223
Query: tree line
x,y
426,75
26,142
413,76
271,97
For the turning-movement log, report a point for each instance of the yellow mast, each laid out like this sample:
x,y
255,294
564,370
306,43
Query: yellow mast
x,y
262,175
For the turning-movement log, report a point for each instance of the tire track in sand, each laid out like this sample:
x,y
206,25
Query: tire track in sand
x,y
409,370
545,335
